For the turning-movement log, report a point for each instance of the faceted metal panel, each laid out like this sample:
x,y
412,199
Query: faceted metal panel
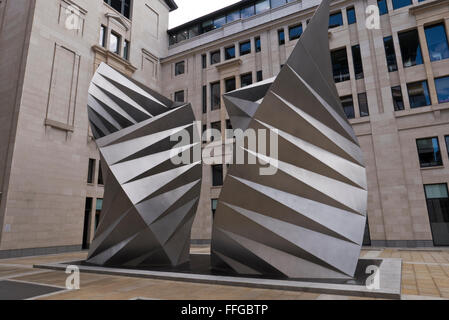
x,y
150,202
308,219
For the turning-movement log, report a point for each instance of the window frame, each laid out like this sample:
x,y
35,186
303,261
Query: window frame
x,y
439,162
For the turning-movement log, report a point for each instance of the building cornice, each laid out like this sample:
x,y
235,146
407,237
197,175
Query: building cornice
x,y
425,6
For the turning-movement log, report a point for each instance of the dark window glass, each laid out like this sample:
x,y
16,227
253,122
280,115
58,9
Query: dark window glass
x,y
204,99
232,16
204,61
442,86
258,44
122,6
335,20
437,42
172,39
91,171
214,205
215,126
281,37
103,32
207,26
357,58
351,15
179,96
390,54
348,106
418,93
410,48
182,35
383,8
429,152
229,129
247,12
295,32
215,57
245,48
262,5
447,143
230,85
194,31
230,53
401,3
215,96
98,208
114,43
204,135
398,101
363,104
100,174
438,206
179,68
259,76
126,50
246,79
217,175
219,22
87,213
340,65
277,3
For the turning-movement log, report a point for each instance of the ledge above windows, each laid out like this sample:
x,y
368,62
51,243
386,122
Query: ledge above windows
x,y
234,63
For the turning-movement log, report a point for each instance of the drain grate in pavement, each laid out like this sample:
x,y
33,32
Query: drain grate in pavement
x,y
13,290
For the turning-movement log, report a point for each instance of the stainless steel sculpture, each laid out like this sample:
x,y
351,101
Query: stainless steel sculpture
x,y
150,202
308,219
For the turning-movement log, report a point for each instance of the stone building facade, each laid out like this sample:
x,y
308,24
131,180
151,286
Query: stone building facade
x,y
392,80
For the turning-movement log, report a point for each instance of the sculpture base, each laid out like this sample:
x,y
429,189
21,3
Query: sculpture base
x,y
199,271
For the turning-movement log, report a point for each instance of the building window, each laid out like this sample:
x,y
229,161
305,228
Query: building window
x,y
340,65
438,206
230,85
410,48
442,87
401,3
103,32
179,68
398,101
215,96
437,42
447,143
215,126
179,96
295,32
357,58
429,152
418,93
230,53
246,79
203,135
233,16
126,50
204,61
348,106
247,12
259,76
363,105
98,208
229,129
257,44
204,99
215,57
335,20
390,54
114,43
281,37
207,26
262,6
100,181
277,3
122,6
219,22
351,15
91,171
217,175
383,8
245,48
214,205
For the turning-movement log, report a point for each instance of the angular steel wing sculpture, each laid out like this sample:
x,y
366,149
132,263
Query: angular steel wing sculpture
x,y
308,219
149,202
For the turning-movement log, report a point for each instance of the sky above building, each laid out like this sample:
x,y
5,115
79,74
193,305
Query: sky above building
x,y
192,9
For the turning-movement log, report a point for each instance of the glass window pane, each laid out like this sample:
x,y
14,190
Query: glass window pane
x,y
214,205
217,175
179,68
219,22
351,16
401,3
398,101
247,12
230,85
437,42
179,96
245,48
258,44
410,48
99,205
281,37
207,26
383,8
259,76
246,79
262,5
102,36
232,16
340,65
429,152
204,99
442,86
215,57
348,106
418,93
436,191
335,20
277,3
204,61
438,207
363,105
230,53
194,31
390,54
357,58
295,32
114,43
215,96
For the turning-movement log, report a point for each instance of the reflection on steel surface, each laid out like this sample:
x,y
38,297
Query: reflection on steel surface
x,y
149,203
308,219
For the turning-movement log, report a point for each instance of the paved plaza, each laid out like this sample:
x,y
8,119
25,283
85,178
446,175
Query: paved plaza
x,y
425,275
